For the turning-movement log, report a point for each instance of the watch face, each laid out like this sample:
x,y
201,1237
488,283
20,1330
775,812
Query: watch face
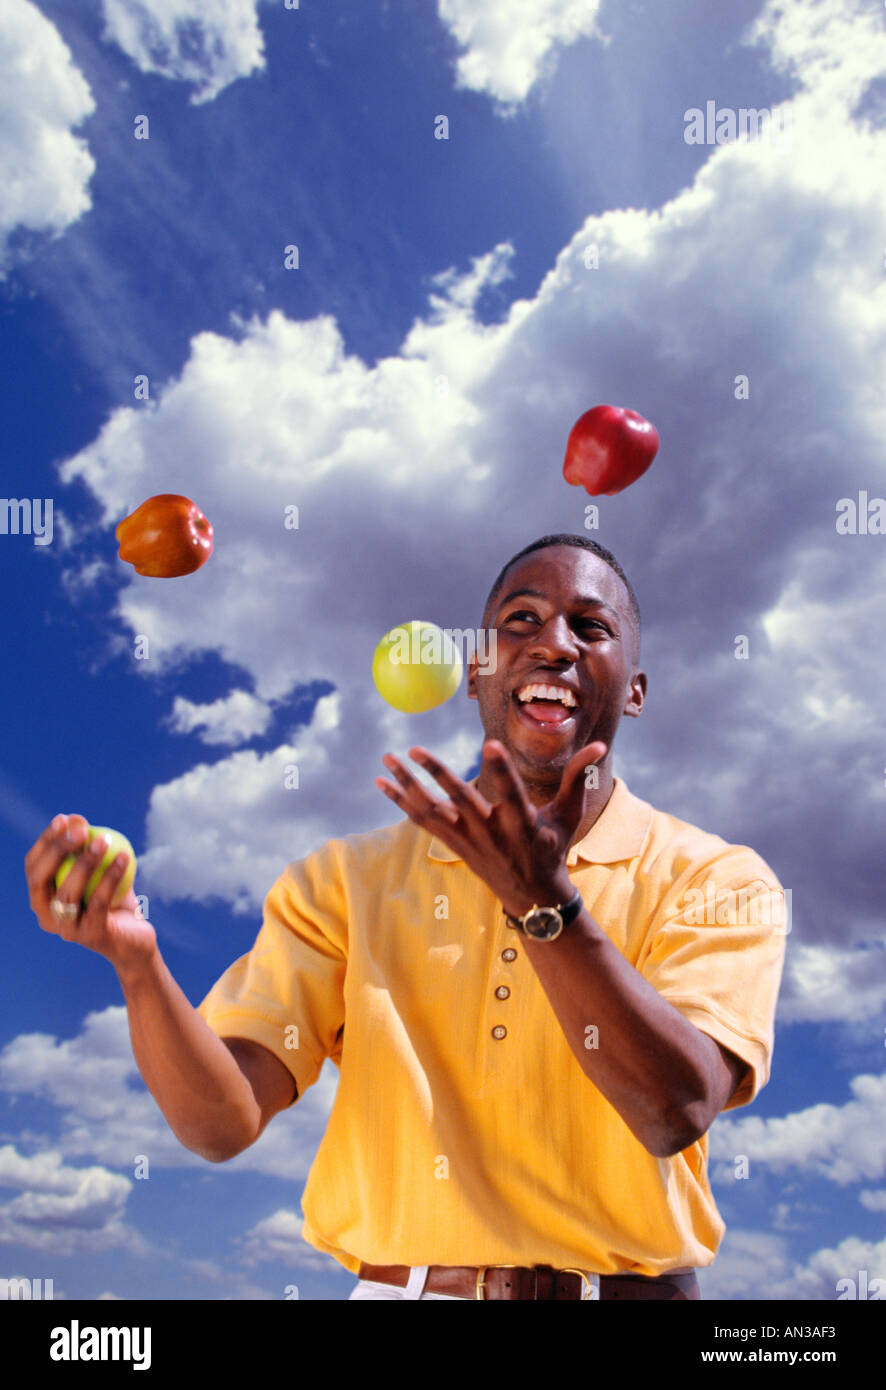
x,y
544,924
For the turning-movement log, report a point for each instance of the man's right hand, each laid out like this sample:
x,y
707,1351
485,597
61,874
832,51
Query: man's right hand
x,y
120,934
217,1095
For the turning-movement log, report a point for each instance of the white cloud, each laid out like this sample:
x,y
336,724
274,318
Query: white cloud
x,y
842,1143
62,1209
88,1079
758,1265
849,1271
106,1113
874,1201
831,983
44,168
833,48
228,1278
506,42
245,825
793,627
747,1265
85,580
278,1237
209,43
233,718
228,829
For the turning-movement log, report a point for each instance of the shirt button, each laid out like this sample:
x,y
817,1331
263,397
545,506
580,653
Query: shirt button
x,y
502,992
499,1031
509,954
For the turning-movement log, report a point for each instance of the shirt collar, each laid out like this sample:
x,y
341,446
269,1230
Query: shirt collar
x,y
619,832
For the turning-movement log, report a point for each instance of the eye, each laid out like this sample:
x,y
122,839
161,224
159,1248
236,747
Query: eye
x,y
523,614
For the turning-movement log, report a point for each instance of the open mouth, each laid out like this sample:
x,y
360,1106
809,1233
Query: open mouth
x,y
546,714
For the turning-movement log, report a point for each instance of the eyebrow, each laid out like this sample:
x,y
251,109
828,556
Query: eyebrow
x,y
582,600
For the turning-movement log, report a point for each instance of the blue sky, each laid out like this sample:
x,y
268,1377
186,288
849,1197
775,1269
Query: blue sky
x,y
421,261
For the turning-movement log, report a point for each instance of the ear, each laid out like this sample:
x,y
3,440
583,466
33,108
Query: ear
x,y
472,676
636,695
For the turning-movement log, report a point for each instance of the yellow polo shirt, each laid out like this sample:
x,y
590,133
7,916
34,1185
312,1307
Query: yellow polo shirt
x,y
464,1131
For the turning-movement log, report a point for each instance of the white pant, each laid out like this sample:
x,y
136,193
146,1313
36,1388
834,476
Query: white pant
x,y
369,1288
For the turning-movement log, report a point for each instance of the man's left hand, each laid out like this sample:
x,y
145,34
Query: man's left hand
x,y
519,850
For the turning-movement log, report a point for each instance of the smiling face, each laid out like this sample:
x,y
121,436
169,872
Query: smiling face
x,y
562,618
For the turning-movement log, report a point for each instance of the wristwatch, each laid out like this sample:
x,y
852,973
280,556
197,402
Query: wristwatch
x,y
546,923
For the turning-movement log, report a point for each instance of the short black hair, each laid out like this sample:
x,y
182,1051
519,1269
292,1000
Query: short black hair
x,y
567,539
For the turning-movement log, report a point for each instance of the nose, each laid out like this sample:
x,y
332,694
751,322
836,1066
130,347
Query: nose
x,y
554,641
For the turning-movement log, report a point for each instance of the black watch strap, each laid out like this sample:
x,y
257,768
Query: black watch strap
x,y
568,911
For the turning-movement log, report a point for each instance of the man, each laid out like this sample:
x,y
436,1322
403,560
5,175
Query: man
x,y
534,1020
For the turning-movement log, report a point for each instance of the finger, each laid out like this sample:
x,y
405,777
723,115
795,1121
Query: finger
x,y
94,914
67,927
443,826
569,801
462,795
507,782
70,894
85,864
397,795
100,901
411,796
130,901
46,857
55,827
53,835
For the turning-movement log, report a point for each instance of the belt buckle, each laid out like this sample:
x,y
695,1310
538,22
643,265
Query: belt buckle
x,y
591,1280
482,1271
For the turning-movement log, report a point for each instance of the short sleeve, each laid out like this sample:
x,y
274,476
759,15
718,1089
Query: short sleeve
x,y
716,954
287,993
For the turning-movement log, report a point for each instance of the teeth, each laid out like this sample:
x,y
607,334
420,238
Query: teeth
x,y
547,692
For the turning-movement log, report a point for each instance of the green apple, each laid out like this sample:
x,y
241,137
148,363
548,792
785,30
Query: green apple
x,y
416,667
119,843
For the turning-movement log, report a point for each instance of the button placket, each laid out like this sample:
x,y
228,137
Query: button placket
x,y
502,992
500,965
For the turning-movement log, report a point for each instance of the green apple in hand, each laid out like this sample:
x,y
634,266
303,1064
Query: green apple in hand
x,y
118,844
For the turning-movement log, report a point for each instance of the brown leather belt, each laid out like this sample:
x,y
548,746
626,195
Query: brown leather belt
x,y
539,1283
